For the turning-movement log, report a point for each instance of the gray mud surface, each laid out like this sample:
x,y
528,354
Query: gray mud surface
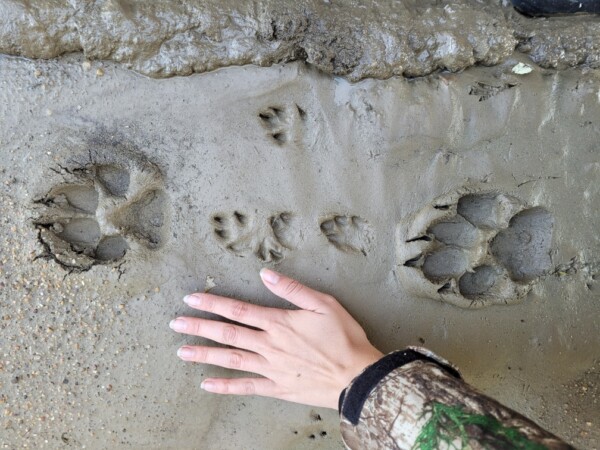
x,y
121,193
448,198
349,38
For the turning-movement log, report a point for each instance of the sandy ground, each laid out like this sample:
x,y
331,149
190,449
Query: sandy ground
x,y
122,193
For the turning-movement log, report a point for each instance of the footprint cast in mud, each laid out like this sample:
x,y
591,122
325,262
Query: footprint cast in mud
x,y
281,122
474,249
267,239
348,233
103,210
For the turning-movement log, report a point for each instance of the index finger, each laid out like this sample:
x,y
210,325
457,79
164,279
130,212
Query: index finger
x,y
239,311
295,292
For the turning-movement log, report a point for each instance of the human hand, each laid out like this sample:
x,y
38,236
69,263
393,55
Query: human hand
x,y
306,356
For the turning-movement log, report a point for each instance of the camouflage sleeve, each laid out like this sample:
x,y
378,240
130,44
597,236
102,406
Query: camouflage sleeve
x,y
412,399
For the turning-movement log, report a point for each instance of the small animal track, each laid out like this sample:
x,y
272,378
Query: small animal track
x,y
350,234
485,91
314,431
475,250
101,211
267,239
280,121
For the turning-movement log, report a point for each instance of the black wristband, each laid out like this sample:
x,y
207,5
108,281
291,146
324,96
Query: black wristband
x,y
352,400
550,7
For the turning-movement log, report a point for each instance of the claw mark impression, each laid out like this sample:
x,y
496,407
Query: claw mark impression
x,y
475,250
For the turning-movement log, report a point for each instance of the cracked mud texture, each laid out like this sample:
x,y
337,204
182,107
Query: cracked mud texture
x,y
354,39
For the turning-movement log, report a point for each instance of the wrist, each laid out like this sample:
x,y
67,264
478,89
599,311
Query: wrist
x,y
353,397
355,370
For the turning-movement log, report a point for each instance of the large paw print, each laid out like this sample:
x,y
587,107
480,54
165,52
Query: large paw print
x,y
244,234
481,249
101,213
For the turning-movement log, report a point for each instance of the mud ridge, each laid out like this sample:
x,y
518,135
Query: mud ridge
x,y
409,38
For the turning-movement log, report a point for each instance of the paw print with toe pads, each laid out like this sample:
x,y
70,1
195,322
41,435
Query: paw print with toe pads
x,y
267,239
281,122
474,249
348,233
101,211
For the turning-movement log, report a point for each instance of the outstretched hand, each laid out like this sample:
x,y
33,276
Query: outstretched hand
x,y
308,355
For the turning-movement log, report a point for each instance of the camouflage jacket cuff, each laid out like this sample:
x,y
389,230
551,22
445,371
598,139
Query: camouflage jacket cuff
x,y
352,399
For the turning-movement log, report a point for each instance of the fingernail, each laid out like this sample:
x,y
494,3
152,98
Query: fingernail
x,y
207,385
269,276
178,324
185,353
192,300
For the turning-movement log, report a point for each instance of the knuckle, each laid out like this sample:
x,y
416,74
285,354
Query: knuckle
x,y
236,360
239,310
230,335
293,288
195,327
208,303
201,354
225,387
282,321
249,388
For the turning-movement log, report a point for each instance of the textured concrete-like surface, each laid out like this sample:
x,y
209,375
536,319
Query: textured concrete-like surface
x,y
121,193
351,38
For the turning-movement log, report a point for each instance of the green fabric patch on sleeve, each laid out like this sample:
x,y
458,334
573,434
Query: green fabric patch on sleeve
x,y
455,427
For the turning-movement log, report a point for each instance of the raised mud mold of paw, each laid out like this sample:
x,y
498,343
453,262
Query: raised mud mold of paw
x,y
102,211
474,249
266,238
349,234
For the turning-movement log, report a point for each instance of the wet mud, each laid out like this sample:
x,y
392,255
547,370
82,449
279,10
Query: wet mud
x,y
434,165
469,227
347,38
